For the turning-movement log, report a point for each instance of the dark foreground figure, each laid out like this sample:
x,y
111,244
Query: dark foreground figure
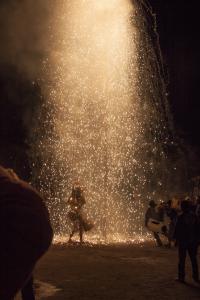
x,y
25,233
27,291
187,235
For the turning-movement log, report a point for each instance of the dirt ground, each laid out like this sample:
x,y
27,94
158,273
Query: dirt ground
x,y
114,272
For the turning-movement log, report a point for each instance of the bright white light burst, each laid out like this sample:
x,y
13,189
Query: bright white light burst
x,y
103,130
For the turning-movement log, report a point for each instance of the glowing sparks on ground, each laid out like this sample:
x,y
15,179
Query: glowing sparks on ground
x,y
96,239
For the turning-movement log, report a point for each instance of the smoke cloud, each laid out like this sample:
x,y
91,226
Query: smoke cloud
x,y
25,42
24,27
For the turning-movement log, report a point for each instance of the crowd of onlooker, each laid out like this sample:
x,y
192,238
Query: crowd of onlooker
x,y
179,221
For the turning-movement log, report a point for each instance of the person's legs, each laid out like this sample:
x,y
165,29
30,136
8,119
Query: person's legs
x,y
28,291
157,238
81,232
74,229
170,233
71,235
182,251
192,250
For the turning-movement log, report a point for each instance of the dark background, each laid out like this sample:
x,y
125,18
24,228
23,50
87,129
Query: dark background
x,y
20,96
178,28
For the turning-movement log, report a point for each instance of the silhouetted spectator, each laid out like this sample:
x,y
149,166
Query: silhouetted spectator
x,y
25,232
197,208
173,215
27,291
187,234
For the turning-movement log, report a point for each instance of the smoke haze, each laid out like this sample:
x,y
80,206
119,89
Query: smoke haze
x,y
24,34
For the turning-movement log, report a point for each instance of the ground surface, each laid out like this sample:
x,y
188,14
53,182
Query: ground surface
x,y
122,272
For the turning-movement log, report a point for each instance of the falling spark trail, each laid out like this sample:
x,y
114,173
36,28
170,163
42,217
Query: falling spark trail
x,y
104,123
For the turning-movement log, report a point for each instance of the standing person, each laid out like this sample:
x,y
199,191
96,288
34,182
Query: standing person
x,y
197,208
25,231
172,214
76,202
187,235
27,291
153,214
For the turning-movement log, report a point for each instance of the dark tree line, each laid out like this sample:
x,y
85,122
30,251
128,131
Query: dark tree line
x,y
20,98
178,29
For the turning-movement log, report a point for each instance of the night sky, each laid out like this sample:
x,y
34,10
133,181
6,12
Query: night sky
x,y
178,29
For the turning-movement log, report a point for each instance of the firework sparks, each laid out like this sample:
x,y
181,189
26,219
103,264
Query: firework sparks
x,y
103,129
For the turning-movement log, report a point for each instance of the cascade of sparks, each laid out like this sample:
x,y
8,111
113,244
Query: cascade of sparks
x,y
101,130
